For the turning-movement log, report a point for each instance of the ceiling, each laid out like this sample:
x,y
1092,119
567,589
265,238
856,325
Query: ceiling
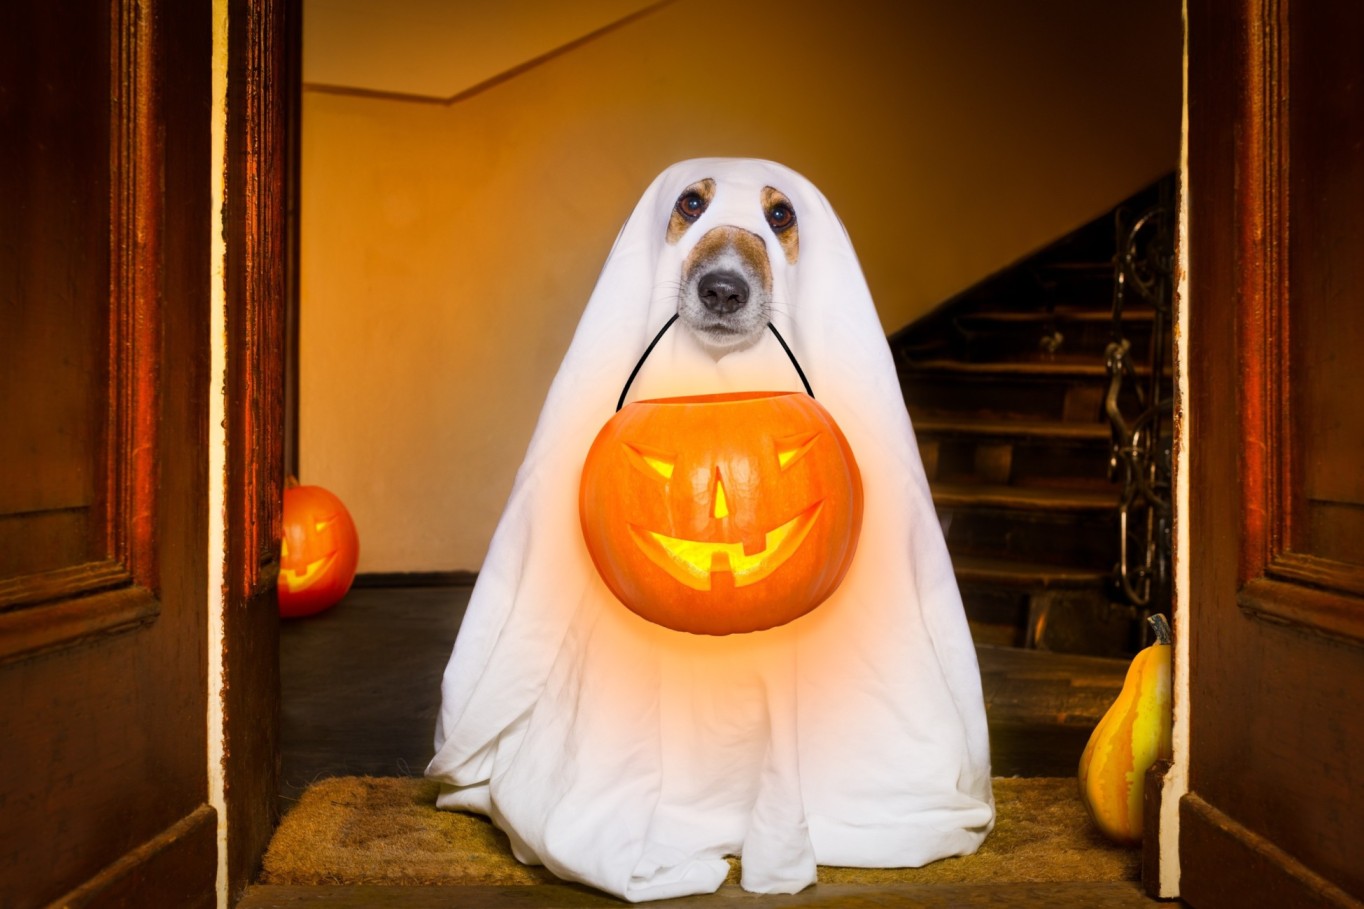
x,y
441,48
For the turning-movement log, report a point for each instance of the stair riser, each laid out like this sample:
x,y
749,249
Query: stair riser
x,y
1004,341
1067,621
998,617
1017,462
1023,398
1067,398
1087,540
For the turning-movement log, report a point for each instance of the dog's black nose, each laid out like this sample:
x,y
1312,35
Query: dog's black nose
x,y
722,292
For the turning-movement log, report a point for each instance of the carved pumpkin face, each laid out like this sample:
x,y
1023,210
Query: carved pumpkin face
x,y
721,514
319,552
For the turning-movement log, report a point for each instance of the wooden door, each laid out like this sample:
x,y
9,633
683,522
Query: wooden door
x,y
1275,811
108,608
104,358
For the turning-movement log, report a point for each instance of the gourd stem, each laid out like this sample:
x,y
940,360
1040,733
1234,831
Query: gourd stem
x,y
1161,627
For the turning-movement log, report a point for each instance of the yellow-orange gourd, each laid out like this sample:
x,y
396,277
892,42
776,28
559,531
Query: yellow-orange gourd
x,y
1133,735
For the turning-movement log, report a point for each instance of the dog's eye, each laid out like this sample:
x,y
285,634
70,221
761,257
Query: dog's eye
x,y
781,216
690,205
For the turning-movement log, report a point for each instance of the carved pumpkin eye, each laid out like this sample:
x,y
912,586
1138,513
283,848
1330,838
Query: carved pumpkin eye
x,y
651,460
320,526
793,448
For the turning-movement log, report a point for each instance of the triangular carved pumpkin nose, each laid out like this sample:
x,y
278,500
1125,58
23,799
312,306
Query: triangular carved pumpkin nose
x,y
721,503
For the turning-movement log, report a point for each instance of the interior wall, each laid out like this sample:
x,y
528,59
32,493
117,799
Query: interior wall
x,y
447,250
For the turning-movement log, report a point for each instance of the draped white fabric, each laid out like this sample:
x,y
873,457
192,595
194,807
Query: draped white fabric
x,y
633,758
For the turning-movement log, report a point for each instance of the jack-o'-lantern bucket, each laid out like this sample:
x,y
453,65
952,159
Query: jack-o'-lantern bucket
x,y
721,514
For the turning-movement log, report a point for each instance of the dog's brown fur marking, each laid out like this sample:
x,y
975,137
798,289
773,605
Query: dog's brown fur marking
x,y
677,225
749,246
789,238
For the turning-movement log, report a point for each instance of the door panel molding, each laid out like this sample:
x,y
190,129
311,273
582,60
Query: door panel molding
x,y
1266,875
33,632
135,264
166,870
1318,611
1346,577
67,605
1279,582
1261,241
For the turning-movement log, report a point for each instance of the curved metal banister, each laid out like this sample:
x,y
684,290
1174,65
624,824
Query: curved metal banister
x,y
1140,448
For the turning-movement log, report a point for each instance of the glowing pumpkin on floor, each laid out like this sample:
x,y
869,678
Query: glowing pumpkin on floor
x,y
721,514
319,552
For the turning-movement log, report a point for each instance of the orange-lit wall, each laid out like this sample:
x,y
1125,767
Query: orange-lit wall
x,y
447,251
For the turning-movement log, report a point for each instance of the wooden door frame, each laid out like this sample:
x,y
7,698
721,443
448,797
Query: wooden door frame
x,y
260,177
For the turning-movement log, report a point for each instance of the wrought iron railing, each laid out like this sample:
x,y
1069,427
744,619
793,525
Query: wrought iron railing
x,y
1138,408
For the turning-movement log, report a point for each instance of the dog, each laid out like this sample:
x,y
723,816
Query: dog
x,y
725,287
633,757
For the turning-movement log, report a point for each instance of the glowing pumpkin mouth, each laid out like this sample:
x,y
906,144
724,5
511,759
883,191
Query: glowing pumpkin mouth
x,y
700,565
308,575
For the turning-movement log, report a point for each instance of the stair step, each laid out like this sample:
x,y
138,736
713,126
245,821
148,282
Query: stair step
x,y
1024,498
1084,537
1079,268
1014,452
1013,429
1058,314
1042,706
1021,336
1080,688
1046,391
1061,366
1065,529
947,397
980,571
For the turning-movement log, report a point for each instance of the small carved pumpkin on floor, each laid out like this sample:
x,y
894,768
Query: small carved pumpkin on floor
x,y
319,551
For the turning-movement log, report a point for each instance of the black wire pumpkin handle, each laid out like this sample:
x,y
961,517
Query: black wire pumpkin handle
x,y
669,324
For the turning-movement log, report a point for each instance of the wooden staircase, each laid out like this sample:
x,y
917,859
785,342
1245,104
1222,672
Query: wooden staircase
x,y
1005,385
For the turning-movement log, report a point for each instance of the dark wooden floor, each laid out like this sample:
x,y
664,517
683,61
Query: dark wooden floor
x,y
361,684
361,689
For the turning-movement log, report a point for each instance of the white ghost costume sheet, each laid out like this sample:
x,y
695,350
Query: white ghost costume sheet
x,y
633,758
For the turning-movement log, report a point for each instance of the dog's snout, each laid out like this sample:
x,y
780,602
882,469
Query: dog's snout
x,y
725,293
722,292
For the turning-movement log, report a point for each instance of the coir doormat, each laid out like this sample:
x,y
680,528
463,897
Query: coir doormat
x,y
369,830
